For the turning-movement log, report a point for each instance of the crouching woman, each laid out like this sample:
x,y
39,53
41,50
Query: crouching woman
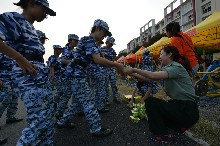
x,y
180,112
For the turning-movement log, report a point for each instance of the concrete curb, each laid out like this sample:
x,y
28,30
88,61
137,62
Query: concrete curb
x,y
199,141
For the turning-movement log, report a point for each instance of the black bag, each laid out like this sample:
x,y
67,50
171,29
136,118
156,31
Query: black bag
x,y
198,56
200,59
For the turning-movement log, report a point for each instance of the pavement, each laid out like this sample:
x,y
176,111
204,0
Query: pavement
x,y
125,133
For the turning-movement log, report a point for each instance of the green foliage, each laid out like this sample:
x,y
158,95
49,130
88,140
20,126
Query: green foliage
x,y
122,54
154,40
136,49
206,131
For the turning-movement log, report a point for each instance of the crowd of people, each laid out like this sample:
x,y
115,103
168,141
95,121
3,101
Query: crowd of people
x,y
23,74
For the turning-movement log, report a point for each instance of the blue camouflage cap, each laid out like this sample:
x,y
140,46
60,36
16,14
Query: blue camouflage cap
x,y
40,34
73,37
57,47
111,40
104,25
145,52
46,4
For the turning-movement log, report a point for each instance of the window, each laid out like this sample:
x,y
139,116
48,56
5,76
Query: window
x,y
190,17
178,14
205,17
206,8
168,19
157,27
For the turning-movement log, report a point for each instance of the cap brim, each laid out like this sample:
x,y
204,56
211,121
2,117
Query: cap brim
x,y
109,33
44,38
51,12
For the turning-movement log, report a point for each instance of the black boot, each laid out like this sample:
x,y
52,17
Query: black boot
x,y
3,141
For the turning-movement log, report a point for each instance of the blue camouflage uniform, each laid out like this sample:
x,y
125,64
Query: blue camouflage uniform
x,y
76,72
147,61
8,97
148,65
97,74
110,72
68,53
35,92
54,61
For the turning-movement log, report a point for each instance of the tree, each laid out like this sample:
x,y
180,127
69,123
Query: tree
x,y
122,54
154,40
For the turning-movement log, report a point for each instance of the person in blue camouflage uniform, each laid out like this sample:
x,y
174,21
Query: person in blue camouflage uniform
x,y
86,52
17,29
97,74
67,56
147,61
110,73
8,97
2,141
145,88
148,64
56,72
41,36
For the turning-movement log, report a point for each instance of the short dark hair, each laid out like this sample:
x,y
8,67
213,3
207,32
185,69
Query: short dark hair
x,y
94,28
173,28
22,3
176,56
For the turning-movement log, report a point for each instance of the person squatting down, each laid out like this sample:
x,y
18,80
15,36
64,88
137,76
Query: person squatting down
x,y
34,91
181,111
145,88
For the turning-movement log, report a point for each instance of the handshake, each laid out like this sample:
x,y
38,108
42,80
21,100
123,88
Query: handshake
x,y
124,70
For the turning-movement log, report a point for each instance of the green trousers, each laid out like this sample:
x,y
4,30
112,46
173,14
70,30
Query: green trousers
x,y
174,114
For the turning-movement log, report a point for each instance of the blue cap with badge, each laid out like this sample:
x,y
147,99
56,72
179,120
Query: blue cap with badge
x,y
73,37
40,34
111,40
104,25
57,47
46,4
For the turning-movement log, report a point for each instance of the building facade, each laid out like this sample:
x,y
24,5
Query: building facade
x,y
188,13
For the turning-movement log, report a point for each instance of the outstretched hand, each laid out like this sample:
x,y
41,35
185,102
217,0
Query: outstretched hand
x,y
129,71
26,66
120,69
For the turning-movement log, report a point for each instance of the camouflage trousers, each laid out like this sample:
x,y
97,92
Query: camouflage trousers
x,y
98,82
59,85
111,76
82,95
39,105
8,100
64,99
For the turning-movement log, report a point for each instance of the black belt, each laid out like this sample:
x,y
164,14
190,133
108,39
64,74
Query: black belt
x,y
187,102
78,62
31,57
2,67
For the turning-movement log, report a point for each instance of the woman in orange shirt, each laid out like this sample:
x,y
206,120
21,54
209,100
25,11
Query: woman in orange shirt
x,y
183,43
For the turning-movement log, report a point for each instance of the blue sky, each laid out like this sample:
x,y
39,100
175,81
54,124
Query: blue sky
x,y
124,17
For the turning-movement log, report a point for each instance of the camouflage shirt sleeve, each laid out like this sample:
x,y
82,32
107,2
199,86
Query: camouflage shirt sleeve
x,y
9,27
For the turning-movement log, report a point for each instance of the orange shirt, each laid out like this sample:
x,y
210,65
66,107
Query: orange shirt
x,y
184,48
